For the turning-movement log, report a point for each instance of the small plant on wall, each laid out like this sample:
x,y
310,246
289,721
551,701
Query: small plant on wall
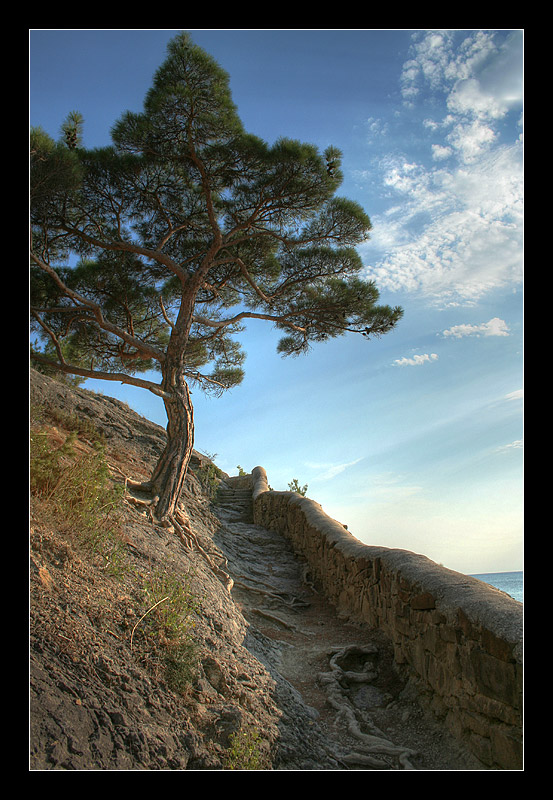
x,y
295,487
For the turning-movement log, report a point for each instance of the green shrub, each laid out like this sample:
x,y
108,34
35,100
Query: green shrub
x,y
245,752
295,487
77,490
169,620
174,604
48,463
209,476
81,425
181,664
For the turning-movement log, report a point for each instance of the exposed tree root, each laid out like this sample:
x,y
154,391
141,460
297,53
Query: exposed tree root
x,y
288,601
182,527
372,744
138,495
278,620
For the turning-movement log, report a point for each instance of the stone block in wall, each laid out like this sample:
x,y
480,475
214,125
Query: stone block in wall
x,y
418,657
423,602
447,632
497,647
492,709
495,678
506,747
482,748
438,676
475,723
403,596
432,641
403,625
401,608
469,629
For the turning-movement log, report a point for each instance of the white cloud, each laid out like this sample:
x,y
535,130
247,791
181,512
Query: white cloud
x,y
468,98
376,127
456,234
482,74
330,470
518,444
471,140
439,152
431,56
415,361
453,231
518,394
495,327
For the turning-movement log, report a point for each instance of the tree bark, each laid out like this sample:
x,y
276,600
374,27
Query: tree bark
x,y
169,474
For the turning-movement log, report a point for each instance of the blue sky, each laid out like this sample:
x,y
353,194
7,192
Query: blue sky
x,y
414,440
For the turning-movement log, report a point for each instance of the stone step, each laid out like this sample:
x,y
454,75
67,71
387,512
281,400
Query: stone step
x,y
236,502
234,507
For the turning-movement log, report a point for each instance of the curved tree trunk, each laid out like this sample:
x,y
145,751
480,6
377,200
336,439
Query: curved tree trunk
x,y
168,476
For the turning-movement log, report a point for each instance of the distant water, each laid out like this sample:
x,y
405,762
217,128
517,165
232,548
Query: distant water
x,y
510,582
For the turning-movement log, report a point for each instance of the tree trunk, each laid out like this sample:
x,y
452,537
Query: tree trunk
x,y
168,477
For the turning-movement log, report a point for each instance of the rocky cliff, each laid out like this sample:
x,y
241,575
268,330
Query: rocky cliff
x,y
255,670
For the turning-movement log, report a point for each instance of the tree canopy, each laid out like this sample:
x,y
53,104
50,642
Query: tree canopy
x,y
150,254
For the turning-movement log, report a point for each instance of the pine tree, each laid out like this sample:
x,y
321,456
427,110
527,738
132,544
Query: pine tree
x,y
183,228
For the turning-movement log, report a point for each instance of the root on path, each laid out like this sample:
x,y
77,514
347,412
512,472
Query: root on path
x,y
336,683
180,523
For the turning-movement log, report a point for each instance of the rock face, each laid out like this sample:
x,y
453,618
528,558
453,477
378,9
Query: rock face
x,y
278,681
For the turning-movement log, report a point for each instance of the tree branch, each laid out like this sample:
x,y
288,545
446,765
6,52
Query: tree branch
x,y
71,369
128,247
95,308
251,281
223,323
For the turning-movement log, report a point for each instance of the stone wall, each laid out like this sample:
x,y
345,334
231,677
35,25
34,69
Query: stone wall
x,y
456,639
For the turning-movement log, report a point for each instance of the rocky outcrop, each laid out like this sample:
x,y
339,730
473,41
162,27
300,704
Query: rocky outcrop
x,y
458,640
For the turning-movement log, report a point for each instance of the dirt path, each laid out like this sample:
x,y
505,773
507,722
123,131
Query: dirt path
x,y
342,670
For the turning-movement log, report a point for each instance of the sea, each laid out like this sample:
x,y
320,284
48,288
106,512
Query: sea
x,y
510,582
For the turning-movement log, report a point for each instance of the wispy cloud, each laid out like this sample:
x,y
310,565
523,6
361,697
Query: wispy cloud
x,y
507,448
495,327
453,230
326,471
415,361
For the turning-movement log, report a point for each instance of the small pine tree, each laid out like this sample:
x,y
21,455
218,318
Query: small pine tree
x,y
295,487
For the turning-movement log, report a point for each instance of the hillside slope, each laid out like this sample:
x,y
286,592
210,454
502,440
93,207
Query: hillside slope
x,y
114,683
